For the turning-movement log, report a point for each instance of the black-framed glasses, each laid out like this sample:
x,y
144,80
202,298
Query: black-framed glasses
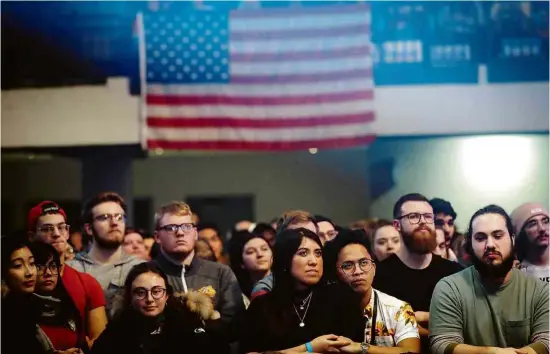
x,y
50,229
115,217
414,218
173,228
52,267
157,292
364,264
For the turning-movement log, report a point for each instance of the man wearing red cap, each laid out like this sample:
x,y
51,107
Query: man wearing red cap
x,y
530,222
47,223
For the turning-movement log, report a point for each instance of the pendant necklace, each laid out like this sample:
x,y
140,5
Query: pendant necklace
x,y
302,318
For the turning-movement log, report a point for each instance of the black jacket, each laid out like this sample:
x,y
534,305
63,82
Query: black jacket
x,y
19,329
181,332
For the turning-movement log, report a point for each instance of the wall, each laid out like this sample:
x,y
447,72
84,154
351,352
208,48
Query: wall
x,y
331,182
98,115
470,172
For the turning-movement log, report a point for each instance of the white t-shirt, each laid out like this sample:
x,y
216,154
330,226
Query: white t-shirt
x,y
541,272
395,321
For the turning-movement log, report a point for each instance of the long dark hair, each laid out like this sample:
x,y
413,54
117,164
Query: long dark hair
x,y
43,253
236,248
285,248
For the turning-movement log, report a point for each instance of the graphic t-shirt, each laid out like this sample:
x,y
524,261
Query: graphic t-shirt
x,y
540,272
395,320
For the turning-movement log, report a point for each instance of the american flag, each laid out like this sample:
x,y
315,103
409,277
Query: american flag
x,y
257,79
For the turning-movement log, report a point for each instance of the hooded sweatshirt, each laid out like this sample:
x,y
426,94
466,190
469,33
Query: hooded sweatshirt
x,y
111,276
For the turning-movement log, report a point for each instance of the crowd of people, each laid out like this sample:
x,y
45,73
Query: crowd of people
x,y
297,284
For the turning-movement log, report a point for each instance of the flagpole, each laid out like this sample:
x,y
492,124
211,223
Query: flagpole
x,y
143,81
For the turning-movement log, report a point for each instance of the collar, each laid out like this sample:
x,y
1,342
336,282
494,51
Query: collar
x,y
368,309
173,266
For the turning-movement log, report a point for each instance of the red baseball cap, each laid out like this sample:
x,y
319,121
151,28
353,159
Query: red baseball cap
x,y
43,208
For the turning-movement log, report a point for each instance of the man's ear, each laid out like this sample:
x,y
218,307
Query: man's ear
x,y
157,237
397,225
30,235
88,229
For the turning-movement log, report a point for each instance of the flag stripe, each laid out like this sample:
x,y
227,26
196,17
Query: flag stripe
x,y
181,100
301,44
301,78
356,83
250,134
299,67
274,145
298,12
306,33
156,122
312,55
261,112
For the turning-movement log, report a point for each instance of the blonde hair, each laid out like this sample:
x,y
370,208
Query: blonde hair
x,y
293,217
174,208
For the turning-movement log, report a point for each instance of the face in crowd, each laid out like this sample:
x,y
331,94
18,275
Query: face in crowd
x,y
307,263
177,234
386,241
491,243
135,244
149,294
20,276
356,267
257,256
108,225
416,225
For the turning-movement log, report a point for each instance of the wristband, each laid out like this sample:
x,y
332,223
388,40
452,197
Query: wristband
x,y
309,347
364,348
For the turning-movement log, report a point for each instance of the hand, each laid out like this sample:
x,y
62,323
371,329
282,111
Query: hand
x,y
328,343
353,348
70,351
422,316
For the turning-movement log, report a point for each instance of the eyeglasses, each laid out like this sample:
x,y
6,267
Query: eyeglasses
x,y
50,229
365,265
52,267
414,218
115,217
441,222
173,228
157,292
328,235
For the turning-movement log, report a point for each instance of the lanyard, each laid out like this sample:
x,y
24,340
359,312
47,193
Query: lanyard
x,y
373,322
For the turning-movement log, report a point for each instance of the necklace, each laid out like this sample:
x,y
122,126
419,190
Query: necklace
x,y
302,305
302,318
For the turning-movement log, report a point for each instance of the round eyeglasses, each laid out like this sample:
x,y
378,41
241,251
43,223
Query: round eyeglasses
x,y
364,264
52,267
157,292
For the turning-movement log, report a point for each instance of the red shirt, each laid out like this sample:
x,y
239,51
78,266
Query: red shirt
x,y
62,338
85,291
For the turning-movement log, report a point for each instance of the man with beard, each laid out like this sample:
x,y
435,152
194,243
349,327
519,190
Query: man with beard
x,y
104,218
412,272
530,222
490,307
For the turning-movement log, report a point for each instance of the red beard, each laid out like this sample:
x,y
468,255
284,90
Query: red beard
x,y
421,241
